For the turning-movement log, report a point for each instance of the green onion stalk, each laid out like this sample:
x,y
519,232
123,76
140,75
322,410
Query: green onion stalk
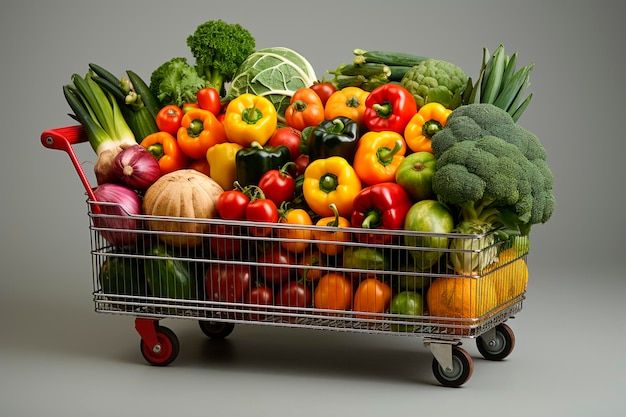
x,y
99,114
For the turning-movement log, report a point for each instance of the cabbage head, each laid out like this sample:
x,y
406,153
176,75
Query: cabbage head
x,y
275,73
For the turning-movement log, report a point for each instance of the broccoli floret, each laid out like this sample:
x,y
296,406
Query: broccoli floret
x,y
436,80
219,49
493,170
176,82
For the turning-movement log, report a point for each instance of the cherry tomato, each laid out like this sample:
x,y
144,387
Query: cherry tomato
x,y
232,204
228,282
294,294
209,99
168,119
323,90
296,238
278,185
278,265
288,137
262,210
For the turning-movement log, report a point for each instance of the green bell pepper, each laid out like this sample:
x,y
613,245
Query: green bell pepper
x,y
252,162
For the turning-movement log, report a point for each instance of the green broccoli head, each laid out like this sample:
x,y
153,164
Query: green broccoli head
x,y
490,178
435,80
473,121
219,49
176,82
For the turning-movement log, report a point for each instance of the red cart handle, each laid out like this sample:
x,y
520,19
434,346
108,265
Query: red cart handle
x,y
63,139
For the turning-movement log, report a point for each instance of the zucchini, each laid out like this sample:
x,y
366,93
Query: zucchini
x,y
366,69
388,58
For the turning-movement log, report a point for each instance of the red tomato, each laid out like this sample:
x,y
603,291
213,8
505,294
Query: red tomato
x,y
294,294
228,245
209,99
232,204
228,282
262,210
168,119
260,296
280,265
323,90
278,186
288,137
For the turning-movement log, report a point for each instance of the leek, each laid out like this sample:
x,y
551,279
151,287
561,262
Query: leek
x,y
99,114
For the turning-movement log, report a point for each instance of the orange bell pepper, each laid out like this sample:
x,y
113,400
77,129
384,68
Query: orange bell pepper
x,y
305,109
199,130
164,147
348,102
378,156
428,120
324,236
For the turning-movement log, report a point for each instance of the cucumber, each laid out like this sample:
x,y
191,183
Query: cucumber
x,y
146,95
388,58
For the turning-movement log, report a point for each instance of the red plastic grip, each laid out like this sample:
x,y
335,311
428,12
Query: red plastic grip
x,y
63,139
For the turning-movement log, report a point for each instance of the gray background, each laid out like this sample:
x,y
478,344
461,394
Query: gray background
x,y
59,358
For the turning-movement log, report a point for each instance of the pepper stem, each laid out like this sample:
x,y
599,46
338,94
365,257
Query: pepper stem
x,y
337,127
386,155
328,183
251,115
430,128
371,219
156,150
384,110
335,221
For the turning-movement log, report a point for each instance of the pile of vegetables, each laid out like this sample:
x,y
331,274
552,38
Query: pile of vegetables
x,y
389,142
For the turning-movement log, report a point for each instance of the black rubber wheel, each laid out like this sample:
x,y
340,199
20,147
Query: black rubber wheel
x,y
216,329
462,368
165,351
500,347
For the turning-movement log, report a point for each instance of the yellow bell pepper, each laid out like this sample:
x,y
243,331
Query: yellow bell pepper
x,y
378,156
221,158
330,180
429,119
250,118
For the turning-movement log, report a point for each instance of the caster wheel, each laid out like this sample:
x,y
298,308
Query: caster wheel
x,y
500,347
216,329
462,368
166,349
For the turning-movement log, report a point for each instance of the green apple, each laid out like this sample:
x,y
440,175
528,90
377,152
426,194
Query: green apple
x,y
415,175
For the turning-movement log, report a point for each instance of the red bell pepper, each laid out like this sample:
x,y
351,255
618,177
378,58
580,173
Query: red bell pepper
x,y
380,206
389,107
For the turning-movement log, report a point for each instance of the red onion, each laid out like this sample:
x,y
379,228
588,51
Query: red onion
x,y
136,167
118,215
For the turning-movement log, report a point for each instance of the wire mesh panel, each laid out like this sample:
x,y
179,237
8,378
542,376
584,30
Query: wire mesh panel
x,y
435,285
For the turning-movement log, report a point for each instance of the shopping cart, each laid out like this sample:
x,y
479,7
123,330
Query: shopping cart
x,y
232,276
